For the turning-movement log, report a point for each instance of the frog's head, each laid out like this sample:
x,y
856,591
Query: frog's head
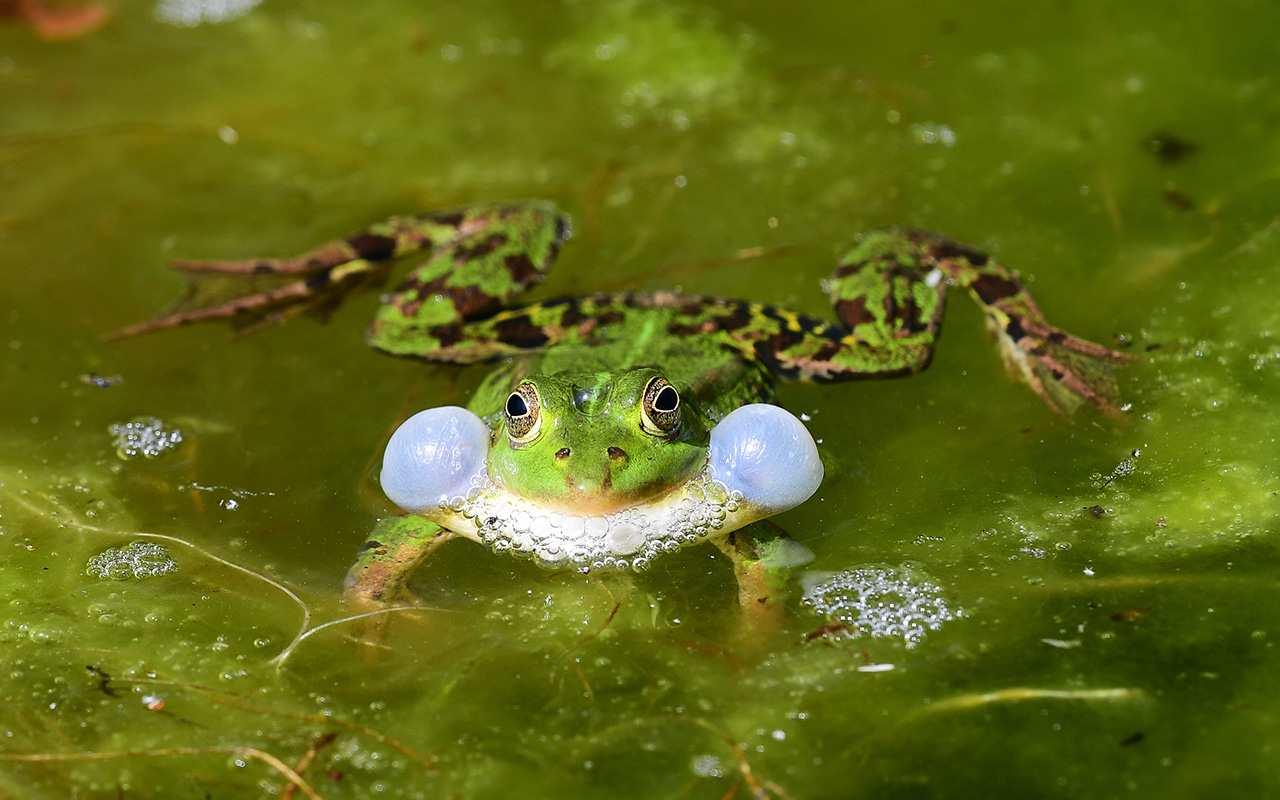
x,y
596,443
594,447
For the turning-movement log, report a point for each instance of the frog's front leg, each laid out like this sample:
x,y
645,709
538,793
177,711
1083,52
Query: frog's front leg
x,y
761,554
481,256
396,547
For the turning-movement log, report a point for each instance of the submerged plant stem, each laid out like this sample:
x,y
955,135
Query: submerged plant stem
x,y
1019,693
245,752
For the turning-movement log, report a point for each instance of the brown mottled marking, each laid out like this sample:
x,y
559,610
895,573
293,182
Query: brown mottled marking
x,y
949,249
520,267
449,335
572,315
451,219
908,314
993,289
827,351
520,332
473,303
318,280
737,318
482,246
372,247
854,312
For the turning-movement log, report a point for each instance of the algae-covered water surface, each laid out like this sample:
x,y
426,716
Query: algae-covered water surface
x,y
1016,604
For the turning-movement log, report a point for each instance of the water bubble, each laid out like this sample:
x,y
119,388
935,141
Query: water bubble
x,y
190,13
144,437
509,524
707,766
884,602
42,635
138,560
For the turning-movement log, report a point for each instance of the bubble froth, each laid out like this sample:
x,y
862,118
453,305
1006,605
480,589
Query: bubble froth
x,y
883,602
144,437
629,538
138,560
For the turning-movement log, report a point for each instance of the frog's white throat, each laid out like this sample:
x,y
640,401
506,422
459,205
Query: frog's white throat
x,y
761,461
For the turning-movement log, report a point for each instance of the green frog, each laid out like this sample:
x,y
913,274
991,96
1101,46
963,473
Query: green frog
x,y
617,427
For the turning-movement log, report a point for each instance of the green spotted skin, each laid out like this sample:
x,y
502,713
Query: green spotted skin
x,y
581,353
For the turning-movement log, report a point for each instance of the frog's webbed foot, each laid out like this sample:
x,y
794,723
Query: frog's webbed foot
x,y
1064,370
253,293
394,549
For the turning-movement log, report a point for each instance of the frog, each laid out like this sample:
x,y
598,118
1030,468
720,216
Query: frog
x,y
615,427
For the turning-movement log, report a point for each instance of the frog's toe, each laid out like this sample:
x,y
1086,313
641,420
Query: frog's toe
x,y
433,457
767,454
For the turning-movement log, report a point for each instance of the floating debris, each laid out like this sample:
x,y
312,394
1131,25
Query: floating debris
x,y
1126,467
139,560
144,437
56,21
1168,148
101,381
883,602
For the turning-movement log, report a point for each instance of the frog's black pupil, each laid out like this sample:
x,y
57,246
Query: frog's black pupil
x,y
666,401
516,406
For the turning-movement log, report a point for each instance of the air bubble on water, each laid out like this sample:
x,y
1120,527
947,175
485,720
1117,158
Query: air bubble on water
x,y
144,437
882,602
190,13
625,539
707,766
138,560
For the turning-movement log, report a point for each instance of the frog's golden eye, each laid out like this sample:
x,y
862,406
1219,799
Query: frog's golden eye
x,y
659,407
524,413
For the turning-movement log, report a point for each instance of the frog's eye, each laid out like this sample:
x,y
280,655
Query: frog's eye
x,y
524,413
659,407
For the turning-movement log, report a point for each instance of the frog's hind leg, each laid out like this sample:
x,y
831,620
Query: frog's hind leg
x,y
255,292
396,547
450,308
1064,370
889,294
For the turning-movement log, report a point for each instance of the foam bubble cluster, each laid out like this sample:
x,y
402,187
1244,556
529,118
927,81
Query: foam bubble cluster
x,y
135,560
144,437
884,602
629,538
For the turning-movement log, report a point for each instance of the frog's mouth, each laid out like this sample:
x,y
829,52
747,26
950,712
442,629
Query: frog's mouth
x,y
761,461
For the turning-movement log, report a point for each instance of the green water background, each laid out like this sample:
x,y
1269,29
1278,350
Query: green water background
x,y
1118,635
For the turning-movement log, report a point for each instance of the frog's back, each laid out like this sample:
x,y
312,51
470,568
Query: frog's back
x,y
717,377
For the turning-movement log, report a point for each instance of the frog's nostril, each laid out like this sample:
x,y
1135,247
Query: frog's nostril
x,y
562,454
617,454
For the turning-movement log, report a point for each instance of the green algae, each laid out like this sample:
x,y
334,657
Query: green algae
x,y
1119,609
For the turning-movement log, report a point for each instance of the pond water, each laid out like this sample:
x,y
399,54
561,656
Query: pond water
x,y
1042,607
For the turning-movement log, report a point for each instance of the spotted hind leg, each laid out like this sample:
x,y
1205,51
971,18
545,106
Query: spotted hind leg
x,y
479,257
1064,370
889,294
